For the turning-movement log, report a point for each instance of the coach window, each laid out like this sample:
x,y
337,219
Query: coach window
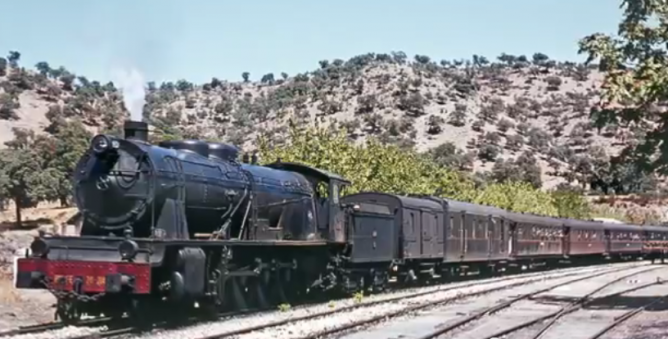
x,y
468,226
481,229
455,225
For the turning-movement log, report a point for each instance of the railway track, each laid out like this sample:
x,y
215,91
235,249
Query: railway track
x,y
394,306
628,315
467,325
549,319
105,330
51,326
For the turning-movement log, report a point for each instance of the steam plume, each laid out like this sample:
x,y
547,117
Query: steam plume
x,y
131,83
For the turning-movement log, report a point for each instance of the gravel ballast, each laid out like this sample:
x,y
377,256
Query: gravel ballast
x,y
305,327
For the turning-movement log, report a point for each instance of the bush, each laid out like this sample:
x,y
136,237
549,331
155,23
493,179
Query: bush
x,y
370,167
518,197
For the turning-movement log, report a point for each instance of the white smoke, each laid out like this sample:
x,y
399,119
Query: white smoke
x,y
131,83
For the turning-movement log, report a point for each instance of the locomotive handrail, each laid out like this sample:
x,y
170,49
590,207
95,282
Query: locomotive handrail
x,y
227,217
285,202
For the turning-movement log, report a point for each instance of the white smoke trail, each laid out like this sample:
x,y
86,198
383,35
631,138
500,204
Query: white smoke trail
x,y
132,85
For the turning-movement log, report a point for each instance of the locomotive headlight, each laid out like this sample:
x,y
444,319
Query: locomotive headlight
x,y
128,249
39,248
100,144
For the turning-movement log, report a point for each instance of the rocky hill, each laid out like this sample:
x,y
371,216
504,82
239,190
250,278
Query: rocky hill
x,y
515,117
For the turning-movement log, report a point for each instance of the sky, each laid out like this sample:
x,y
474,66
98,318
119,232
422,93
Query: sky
x,y
200,39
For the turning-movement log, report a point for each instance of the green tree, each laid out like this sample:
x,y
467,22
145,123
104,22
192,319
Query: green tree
x,y
386,168
14,58
570,203
43,68
370,167
24,179
518,197
3,67
636,78
69,143
8,107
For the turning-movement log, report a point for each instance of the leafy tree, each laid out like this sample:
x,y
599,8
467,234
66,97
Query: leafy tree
x,y
540,58
268,78
434,124
43,68
14,58
377,167
523,169
488,152
507,58
8,107
71,141
518,197
458,116
3,67
448,155
636,78
245,76
422,59
68,80
24,178
570,203
553,83
370,167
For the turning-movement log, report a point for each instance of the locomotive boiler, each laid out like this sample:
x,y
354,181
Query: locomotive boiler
x,y
128,186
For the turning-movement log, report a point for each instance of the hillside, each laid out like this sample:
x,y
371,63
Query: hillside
x,y
516,117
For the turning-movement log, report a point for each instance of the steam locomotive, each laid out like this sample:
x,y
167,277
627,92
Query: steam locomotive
x,y
186,222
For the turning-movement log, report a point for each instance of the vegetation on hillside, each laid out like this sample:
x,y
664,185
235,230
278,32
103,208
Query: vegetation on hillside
x,y
482,130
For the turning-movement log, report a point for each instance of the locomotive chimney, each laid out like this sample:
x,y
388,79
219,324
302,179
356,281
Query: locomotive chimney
x,y
137,130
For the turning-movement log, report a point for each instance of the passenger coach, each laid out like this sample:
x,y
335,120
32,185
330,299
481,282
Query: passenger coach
x,y
430,236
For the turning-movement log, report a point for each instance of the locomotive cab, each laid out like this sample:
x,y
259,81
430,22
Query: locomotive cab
x,y
330,212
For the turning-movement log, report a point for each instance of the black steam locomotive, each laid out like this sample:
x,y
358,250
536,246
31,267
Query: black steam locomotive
x,y
186,222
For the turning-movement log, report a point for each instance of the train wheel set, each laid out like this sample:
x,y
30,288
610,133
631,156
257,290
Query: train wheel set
x,y
186,224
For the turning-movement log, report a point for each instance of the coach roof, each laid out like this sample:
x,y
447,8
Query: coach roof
x,y
583,224
653,228
534,219
403,201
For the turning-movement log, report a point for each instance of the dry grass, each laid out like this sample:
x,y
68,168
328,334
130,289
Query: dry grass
x,y
8,294
36,217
